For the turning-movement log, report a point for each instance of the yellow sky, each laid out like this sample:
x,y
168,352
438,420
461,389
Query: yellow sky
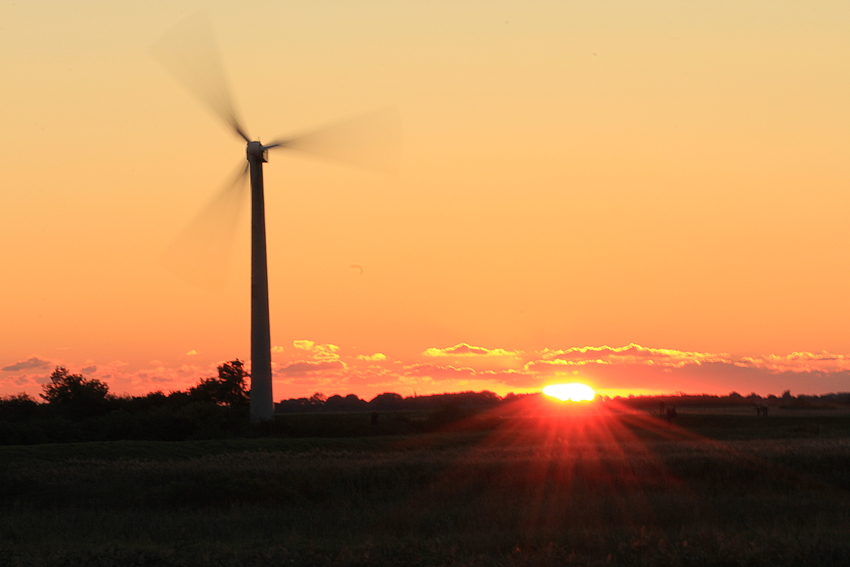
x,y
577,174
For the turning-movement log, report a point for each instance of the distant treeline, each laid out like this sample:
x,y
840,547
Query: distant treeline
x,y
390,401
784,401
319,402
74,408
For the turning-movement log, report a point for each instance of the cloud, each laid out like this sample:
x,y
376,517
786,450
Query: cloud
x,y
636,355
192,352
303,344
26,365
29,382
89,369
436,372
372,357
511,378
306,367
800,362
630,354
319,351
157,376
464,349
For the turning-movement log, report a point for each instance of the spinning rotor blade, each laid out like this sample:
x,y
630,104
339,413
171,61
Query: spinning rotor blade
x,y
189,52
370,140
202,253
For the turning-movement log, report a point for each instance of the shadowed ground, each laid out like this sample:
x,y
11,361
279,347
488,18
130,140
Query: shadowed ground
x,y
587,487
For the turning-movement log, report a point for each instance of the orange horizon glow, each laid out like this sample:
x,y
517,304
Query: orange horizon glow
x,y
307,367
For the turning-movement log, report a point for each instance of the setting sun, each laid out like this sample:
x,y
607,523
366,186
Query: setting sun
x,y
573,392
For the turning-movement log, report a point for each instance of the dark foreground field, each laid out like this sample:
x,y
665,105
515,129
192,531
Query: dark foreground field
x,y
589,487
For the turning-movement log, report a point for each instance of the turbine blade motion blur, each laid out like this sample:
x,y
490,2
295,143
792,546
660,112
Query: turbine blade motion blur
x,y
371,140
189,52
203,252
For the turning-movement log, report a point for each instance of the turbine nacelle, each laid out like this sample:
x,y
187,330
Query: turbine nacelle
x,y
258,151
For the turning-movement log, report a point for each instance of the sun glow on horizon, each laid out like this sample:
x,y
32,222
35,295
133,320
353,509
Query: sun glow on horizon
x,y
574,392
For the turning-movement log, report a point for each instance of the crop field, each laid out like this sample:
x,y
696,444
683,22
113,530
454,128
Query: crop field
x,y
589,486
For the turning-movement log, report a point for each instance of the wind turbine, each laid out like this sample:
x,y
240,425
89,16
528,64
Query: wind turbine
x,y
189,52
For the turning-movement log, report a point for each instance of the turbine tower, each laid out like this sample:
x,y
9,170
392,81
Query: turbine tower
x,y
262,402
189,52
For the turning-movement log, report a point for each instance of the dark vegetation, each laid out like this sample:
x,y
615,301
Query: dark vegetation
x,y
75,408
527,482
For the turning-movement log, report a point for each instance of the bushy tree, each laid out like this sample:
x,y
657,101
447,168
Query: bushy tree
x,y
18,407
348,403
387,401
75,395
227,389
318,399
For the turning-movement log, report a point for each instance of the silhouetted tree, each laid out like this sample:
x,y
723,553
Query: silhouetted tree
x,y
348,403
318,399
18,407
387,401
74,395
227,389
294,405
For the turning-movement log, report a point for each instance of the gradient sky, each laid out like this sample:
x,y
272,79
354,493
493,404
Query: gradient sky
x,y
644,196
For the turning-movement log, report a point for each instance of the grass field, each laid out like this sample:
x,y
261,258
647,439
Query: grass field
x,y
565,487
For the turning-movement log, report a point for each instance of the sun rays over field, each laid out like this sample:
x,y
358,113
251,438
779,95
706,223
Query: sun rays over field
x,y
530,481
546,470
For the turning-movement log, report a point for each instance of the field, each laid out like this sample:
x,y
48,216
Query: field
x,y
565,486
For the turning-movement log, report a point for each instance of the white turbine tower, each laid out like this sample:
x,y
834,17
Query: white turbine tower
x,y
189,52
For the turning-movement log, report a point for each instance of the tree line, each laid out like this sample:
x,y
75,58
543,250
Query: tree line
x,y
76,408
390,401
784,401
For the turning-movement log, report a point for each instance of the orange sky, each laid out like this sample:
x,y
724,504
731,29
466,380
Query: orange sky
x,y
573,175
